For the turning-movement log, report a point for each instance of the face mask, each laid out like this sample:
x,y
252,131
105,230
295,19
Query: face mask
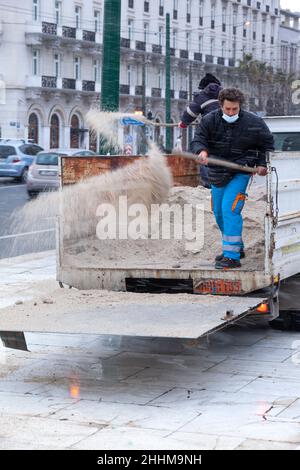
x,y
230,119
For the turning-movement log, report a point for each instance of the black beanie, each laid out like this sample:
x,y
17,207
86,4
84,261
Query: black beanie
x,y
209,78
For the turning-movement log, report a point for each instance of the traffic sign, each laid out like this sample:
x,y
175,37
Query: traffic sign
x,y
128,121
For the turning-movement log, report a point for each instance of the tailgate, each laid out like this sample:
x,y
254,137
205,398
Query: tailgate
x,y
126,314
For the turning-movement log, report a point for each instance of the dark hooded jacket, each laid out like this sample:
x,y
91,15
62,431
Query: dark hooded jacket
x,y
204,102
245,142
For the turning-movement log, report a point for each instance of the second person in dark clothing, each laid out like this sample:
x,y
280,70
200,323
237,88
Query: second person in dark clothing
x,y
205,101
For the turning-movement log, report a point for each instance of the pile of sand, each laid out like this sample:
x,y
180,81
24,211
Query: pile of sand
x,y
92,252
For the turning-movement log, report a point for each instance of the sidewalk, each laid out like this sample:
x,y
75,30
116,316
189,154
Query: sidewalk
x,y
242,391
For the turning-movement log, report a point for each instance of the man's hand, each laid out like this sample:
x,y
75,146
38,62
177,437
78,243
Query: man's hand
x,y
181,125
202,157
262,170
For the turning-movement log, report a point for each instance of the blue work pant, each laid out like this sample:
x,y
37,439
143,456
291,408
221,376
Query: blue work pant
x,y
227,204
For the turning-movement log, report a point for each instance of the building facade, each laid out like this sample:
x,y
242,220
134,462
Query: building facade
x,y
289,40
51,54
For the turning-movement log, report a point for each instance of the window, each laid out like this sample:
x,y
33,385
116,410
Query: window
x,y
160,35
174,39
213,15
224,14
6,151
58,12
200,12
129,71
146,32
35,62
188,11
212,46
130,29
223,48
77,67
174,80
74,134
187,41
57,65
96,70
35,10
200,43
30,149
161,7
33,128
54,131
97,19
160,78
78,17
130,3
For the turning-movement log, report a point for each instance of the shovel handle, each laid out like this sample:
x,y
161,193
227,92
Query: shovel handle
x,y
217,162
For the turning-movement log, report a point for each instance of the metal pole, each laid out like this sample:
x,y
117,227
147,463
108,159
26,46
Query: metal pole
x,y
168,84
190,129
111,56
110,80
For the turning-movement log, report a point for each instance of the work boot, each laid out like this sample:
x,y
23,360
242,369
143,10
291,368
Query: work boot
x,y
219,257
228,263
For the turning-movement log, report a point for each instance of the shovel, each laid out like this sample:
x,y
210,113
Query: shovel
x,y
217,162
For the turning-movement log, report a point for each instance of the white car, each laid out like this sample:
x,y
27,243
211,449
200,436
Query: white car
x,y
43,173
286,132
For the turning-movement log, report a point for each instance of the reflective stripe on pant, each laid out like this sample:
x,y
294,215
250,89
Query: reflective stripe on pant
x,y
227,204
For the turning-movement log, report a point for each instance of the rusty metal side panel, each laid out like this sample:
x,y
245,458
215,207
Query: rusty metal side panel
x,y
73,169
205,281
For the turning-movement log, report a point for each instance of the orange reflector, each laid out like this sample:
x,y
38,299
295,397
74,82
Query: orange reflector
x,y
263,308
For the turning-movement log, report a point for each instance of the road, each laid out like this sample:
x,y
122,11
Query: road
x,y
15,240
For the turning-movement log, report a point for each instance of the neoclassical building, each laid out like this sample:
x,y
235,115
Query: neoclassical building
x,y
51,53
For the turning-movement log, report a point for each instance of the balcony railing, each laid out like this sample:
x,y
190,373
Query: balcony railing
x,y
156,49
139,90
184,54
125,42
124,89
88,85
183,95
49,28
68,32
49,82
89,36
209,59
198,56
140,45
156,92
69,83
221,61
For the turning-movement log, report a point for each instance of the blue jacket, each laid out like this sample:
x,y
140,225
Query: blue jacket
x,y
204,102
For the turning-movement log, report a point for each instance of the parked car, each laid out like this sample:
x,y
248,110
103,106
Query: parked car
x,y
43,173
286,132
16,156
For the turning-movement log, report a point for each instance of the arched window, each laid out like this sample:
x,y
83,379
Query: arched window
x,y
74,139
54,132
33,128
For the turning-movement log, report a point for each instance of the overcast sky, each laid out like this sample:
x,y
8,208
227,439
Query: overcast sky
x,y
292,5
